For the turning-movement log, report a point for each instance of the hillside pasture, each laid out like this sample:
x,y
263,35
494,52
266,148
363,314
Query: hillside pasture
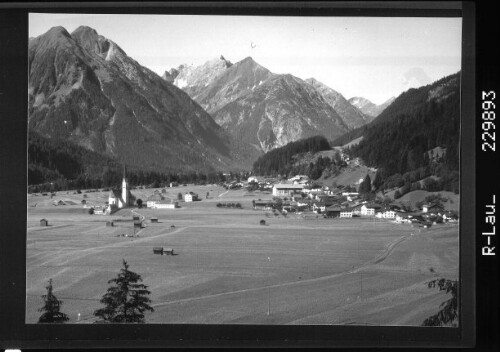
x,y
413,197
229,269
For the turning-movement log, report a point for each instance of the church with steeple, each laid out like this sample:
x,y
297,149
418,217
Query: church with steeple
x,y
121,199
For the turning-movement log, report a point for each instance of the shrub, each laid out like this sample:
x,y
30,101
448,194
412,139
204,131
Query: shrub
x,y
263,222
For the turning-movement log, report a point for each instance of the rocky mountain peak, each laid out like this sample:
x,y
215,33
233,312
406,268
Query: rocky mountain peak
x,y
56,31
226,62
52,38
90,40
350,114
87,91
248,61
368,108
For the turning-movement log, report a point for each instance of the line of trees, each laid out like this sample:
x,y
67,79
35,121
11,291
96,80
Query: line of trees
x,y
57,165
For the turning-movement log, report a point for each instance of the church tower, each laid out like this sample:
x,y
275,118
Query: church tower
x,y
125,188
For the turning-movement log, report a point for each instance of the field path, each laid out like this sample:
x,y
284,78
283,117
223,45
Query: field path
x,y
133,211
378,259
65,256
220,195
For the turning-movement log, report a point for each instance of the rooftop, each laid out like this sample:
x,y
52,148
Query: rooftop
x,y
288,186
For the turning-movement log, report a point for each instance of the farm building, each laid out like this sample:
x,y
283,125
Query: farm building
x,y
99,210
165,204
402,218
386,214
333,211
190,197
174,184
44,222
262,204
299,180
432,208
255,179
153,199
163,251
369,209
281,189
346,213
137,222
154,220
319,207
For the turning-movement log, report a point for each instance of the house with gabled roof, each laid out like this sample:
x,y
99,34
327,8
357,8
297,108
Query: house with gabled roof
x,y
333,211
432,208
386,214
166,204
281,189
153,199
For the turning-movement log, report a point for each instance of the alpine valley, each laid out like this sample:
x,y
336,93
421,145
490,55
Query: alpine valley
x,y
264,109
88,97
84,89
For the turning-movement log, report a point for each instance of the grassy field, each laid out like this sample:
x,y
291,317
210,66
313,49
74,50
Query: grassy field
x,y
229,269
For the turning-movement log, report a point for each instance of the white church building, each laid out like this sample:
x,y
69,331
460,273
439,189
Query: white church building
x,y
121,199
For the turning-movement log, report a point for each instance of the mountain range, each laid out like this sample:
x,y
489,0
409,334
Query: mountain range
x,y
419,120
369,109
83,88
413,144
265,109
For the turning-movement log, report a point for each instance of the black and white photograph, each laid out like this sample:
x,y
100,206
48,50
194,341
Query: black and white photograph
x,y
243,170
275,170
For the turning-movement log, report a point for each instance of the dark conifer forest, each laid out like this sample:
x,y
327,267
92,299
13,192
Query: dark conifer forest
x,y
281,160
55,165
400,140
414,143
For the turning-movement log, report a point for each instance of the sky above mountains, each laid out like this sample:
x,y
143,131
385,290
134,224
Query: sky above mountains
x,y
372,57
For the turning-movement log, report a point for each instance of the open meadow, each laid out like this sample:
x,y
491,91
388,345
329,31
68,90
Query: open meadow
x,y
229,269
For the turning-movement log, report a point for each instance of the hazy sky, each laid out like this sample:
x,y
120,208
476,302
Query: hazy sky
x,y
372,57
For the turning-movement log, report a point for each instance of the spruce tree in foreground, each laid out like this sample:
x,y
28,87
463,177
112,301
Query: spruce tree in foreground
x,y
448,314
125,301
51,308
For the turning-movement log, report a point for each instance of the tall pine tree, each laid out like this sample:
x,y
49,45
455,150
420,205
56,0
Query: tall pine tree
x,y
125,301
51,308
366,185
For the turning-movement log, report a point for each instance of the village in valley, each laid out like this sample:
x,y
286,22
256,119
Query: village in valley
x,y
210,230
242,191
297,195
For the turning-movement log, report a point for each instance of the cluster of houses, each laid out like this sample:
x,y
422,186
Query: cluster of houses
x,y
298,195
158,201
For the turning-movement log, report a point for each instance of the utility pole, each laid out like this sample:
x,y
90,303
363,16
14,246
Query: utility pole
x,y
269,289
360,274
